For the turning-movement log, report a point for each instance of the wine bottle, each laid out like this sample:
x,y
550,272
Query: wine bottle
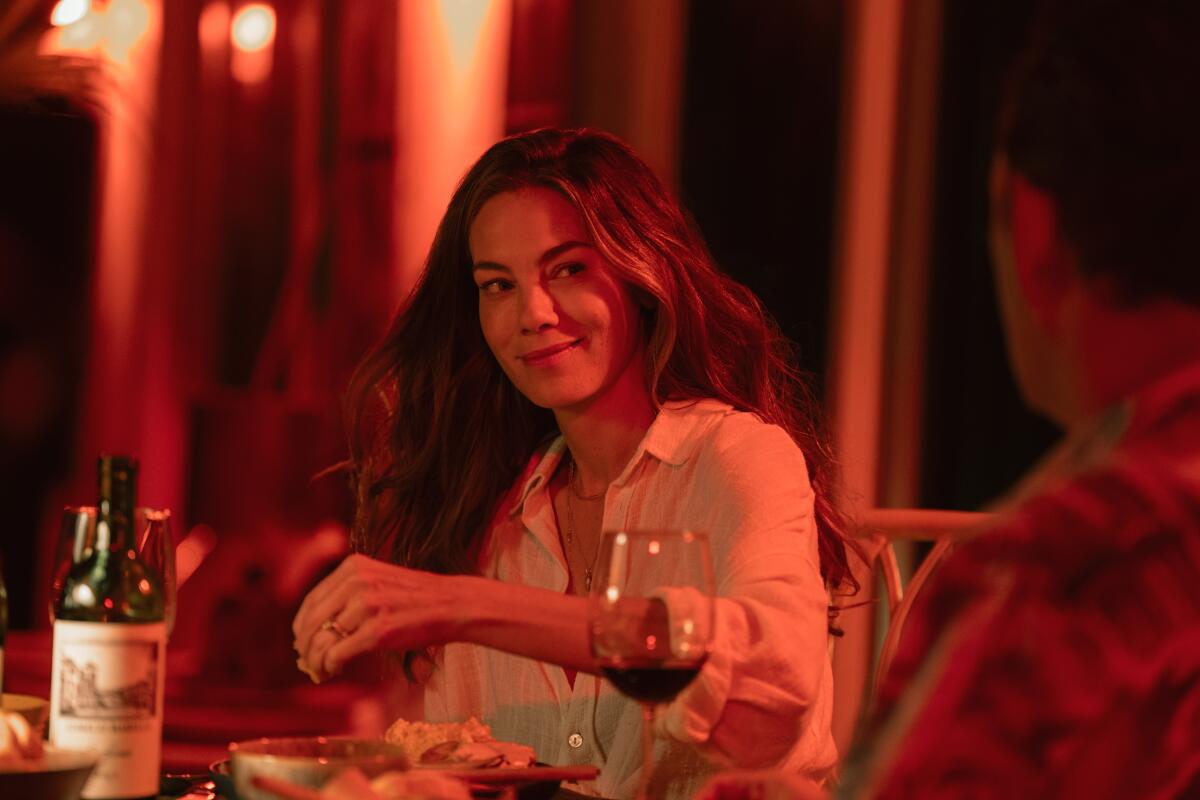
x,y
109,661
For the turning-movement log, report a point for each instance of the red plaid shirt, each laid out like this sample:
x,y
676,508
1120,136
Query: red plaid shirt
x,y
1059,654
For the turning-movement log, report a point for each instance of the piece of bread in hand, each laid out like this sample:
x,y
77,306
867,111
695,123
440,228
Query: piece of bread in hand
x,y
313,674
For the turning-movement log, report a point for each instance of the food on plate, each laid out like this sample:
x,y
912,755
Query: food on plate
x,y
20,744
419,783
352,784
456,744
477,755
417,737
349,784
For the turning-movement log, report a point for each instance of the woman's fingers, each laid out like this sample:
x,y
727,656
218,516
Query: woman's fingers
x,y
362,640
322,614
361,606
394,630
330,596
320,603
330,629
329,654
310,608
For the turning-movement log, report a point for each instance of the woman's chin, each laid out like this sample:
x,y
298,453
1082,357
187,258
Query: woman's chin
x,y
557,403
559,399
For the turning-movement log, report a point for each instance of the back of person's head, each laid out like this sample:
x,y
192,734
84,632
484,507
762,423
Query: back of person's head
x,y
1103,115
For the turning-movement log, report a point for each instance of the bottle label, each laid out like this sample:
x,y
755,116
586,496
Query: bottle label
x,y
106,695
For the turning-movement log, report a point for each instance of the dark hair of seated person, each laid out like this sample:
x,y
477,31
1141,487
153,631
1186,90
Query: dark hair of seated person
x,y
1106,82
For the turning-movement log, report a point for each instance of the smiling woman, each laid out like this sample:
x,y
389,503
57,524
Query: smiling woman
x,y
561,324
572,361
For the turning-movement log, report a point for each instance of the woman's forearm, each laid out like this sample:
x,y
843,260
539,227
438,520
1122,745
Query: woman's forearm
x,y
367,605
522,620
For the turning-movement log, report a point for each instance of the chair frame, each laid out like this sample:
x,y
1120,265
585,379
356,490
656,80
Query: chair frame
x,y
879,530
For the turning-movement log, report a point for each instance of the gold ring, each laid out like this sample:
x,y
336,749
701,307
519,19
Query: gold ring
x,y
331,624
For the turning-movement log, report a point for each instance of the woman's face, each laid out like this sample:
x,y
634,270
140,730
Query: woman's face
x,y
562,325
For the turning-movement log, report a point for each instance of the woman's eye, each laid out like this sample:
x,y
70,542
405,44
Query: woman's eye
x,y
494,286
568,269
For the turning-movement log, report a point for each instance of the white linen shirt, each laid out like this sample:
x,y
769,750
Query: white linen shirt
x,y
762,699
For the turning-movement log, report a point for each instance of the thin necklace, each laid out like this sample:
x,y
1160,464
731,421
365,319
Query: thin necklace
x,y
589,568
576,492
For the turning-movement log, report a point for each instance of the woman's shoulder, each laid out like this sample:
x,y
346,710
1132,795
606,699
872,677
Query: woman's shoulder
x,y
723,434
740,468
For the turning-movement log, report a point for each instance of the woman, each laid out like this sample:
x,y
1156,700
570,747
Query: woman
x,y
572,361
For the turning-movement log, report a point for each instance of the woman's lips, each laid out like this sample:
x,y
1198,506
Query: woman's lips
x,y
549,355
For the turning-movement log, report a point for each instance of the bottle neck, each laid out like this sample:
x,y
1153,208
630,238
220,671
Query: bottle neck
x,y
114,530
114,512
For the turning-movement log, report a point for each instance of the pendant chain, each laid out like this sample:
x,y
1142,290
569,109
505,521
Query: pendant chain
x,y
590,568
571,485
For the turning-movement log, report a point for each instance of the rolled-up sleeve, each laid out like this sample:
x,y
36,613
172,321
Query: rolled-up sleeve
x,y
763,696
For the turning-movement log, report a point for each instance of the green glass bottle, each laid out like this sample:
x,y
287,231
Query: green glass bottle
x,y
109,661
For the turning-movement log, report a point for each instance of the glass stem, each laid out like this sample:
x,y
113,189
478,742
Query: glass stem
x,y
643,792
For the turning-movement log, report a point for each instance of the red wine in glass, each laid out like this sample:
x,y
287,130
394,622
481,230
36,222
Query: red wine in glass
x,y
651,619
652,681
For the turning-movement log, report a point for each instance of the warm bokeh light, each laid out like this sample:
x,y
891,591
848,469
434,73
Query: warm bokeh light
x,y
464,23
251,33
67,12
127,21
253,28
451,84
107,32
214,26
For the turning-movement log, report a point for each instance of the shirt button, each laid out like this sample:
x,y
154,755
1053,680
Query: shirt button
x,y
575,740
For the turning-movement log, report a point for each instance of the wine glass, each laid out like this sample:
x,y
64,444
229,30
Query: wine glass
x,y
153,540
651,619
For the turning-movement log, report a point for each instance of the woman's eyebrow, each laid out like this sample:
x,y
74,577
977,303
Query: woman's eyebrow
x,y
549,255
562,247
490,265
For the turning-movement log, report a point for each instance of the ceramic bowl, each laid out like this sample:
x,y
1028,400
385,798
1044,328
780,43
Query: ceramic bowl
x,y
308,761
57,775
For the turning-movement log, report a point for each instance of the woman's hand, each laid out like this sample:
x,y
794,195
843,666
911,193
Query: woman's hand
x,y
366,605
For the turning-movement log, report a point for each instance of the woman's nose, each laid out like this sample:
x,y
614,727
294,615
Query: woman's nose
x,y
537,310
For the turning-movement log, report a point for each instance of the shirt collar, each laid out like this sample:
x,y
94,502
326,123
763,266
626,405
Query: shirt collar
x,y
672,438
538,472
1125,420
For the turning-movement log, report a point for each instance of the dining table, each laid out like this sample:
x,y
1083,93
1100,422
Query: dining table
x,y
201,717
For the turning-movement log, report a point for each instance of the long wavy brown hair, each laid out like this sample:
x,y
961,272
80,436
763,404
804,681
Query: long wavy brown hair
x,y
438,434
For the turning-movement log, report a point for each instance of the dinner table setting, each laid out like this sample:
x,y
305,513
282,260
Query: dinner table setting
x,y
222,740
299,768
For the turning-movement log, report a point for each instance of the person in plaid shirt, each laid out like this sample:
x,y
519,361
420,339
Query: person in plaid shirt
x,y
1058,654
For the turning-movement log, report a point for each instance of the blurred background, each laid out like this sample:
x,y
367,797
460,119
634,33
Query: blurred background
x,y
210,209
